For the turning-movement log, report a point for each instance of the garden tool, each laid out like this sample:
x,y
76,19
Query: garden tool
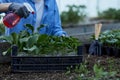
x,y
95,47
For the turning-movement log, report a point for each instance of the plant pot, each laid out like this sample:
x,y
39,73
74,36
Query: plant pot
x,y
80,50
109,50
3,47
87,46
104,50
43,63
116,52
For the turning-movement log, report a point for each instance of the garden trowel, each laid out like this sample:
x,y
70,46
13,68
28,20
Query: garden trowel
x,y
95,47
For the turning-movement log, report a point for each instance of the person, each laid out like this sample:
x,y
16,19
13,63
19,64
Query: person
x,y
46,12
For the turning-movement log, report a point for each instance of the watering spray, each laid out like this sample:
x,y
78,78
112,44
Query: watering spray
x,y
11,19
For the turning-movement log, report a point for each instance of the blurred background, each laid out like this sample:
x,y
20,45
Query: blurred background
x,y
93,6
80,16
87,10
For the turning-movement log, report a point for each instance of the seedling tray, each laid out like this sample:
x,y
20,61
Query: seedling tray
x,y
111,51
106,50
44,63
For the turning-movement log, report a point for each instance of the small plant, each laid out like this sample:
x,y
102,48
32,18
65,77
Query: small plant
x,y
82,69
98,73
101,74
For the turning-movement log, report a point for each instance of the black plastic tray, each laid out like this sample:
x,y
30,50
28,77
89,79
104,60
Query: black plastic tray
x,y
44,63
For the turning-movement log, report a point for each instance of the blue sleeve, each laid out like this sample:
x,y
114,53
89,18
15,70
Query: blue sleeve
x,y
57,28
3,1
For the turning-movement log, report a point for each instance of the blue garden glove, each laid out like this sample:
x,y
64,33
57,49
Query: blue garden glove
x,y
19,9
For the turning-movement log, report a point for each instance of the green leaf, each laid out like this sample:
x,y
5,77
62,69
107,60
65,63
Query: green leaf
x,y
30,27
41,26
43,38
113,73
5,52
32,40
9,39
15,38
24,33
24,39
30,49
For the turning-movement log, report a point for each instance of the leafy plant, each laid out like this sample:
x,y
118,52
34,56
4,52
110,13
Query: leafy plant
x,y
51,45
14,39
110,38
97,73
41,44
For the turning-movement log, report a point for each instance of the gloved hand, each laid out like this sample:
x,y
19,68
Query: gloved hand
x,y
19,9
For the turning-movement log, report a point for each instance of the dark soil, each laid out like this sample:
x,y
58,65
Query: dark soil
x,y
5,71
5,74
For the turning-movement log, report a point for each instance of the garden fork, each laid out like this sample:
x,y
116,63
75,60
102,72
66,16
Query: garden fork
x,y
95,47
